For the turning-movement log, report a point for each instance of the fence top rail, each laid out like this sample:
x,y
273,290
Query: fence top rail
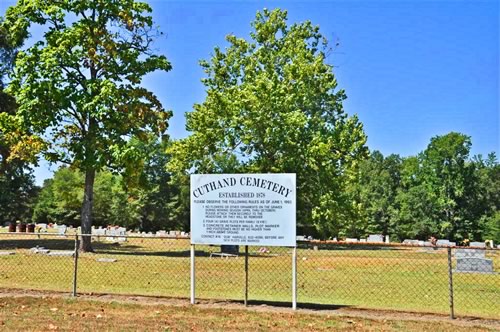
x,y
309,242
68,235
394,244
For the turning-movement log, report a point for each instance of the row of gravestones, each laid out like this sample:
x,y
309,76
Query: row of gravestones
x,y
440,242
113,234
373,238
120,232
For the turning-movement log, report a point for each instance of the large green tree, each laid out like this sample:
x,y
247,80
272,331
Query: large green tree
x,y
80,85
17,187
450,179
272,105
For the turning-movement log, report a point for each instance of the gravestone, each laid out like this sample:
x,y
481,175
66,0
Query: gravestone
x,y
61,229
478,244
61,253
99,231
229,249
375,238
445,243
473,260
412,242
475,265
470,253
116,234
122,232
427,247
39,250
351,240
106,260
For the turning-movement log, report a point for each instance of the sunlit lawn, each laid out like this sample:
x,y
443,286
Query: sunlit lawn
x,y
396,279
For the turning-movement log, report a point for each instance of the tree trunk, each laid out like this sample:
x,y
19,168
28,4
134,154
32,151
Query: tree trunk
x,y
86,218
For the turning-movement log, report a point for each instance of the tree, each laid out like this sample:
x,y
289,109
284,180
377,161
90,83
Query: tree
x,y
60,198
17,193
272,106
379,182
80,85
488,184
160,203
415,213
17,187
450,178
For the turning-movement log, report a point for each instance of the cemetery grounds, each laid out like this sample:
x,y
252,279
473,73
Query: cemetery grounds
x,y
339,277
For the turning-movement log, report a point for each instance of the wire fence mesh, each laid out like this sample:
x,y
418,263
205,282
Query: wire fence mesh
x,y
392,277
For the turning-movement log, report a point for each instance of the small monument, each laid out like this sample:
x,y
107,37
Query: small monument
x,y
473,261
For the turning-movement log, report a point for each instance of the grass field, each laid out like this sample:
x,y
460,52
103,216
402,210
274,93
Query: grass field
x,y
37,314
406,279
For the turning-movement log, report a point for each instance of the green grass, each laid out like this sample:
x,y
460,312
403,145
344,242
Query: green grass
x,y
396,279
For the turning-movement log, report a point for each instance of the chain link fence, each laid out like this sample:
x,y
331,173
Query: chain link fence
x,y
454,281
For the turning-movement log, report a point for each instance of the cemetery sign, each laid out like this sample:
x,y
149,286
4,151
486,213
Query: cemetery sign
x,y
243,209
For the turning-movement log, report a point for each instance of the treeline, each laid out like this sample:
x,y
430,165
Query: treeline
x,y
142,199
441,192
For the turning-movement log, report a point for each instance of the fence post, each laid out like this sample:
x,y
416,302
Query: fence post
x,y
75,265
450,285
246,276
193,274
294,278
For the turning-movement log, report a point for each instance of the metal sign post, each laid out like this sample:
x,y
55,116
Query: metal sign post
x,y
192,275
294,278
246,276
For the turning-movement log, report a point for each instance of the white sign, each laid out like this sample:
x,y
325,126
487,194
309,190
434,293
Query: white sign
x,y
243,209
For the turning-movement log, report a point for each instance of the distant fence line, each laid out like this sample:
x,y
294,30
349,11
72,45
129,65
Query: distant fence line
x,y
441,279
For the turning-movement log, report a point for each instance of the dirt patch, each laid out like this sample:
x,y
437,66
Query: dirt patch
x,y
379,315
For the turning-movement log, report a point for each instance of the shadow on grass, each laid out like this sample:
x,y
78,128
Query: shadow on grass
x,y
176,253
104,248
312,306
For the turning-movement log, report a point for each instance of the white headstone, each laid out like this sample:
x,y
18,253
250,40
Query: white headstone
x,y
375,238
61,229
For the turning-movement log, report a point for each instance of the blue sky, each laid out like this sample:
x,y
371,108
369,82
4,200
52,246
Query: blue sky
x,y
411,69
